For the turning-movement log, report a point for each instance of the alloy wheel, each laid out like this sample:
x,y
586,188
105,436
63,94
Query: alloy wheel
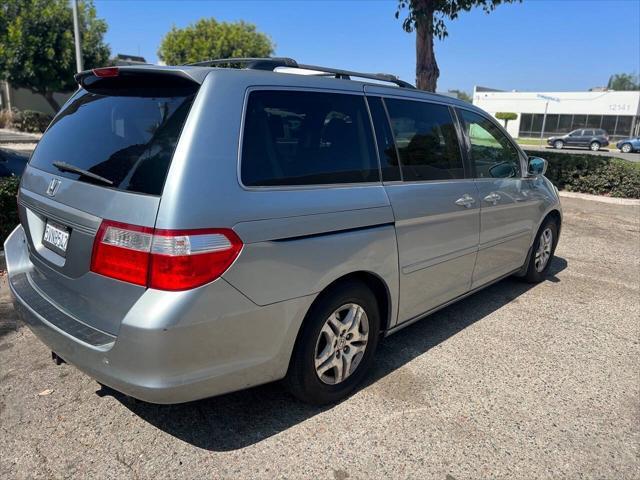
x,y
341,344
544,249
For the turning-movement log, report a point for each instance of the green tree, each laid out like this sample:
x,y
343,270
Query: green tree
x,y
462,95
37,46
506,116
427,18
208,38
624,81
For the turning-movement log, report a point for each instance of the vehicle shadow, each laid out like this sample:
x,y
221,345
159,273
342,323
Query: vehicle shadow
x,y
240,419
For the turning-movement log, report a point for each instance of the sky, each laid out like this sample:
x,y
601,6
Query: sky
x,y
539,45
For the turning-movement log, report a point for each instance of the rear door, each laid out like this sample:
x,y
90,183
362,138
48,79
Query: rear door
x,y
120,132
435,207
507,211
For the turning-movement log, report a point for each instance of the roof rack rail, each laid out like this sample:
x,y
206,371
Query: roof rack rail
x,y
271,63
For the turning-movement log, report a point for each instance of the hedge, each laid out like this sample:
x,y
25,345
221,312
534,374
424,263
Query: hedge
x,y
595,174
8,206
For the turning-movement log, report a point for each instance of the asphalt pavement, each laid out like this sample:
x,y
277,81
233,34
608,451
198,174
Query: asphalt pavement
x,y
518,381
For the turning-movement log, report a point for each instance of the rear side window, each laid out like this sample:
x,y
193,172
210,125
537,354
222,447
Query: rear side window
x,y
427,140
384,138
307,138
128,140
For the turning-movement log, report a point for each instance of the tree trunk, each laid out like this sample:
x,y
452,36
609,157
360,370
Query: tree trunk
x,y
427,71
48,96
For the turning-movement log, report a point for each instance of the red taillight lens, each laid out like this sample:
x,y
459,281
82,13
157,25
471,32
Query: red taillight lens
x,y
163,259
105,72
184,259
122,251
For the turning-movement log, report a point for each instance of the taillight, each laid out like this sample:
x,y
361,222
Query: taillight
x,y
163,259
105,72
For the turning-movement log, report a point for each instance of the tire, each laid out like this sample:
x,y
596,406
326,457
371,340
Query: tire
x,y
536,272
558,144
303,379
626,148
594,146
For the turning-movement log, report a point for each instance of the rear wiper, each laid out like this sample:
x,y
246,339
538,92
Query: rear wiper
x,y
67,167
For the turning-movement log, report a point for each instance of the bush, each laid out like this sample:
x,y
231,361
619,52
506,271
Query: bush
x,y
8,206
595,174
31,121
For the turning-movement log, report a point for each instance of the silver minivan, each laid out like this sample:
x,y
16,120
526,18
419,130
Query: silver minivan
x,y
190,231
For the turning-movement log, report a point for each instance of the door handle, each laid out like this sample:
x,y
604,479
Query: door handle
x,y
465,201
493,197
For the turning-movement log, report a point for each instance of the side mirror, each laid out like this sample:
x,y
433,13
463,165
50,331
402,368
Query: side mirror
x,y
537,166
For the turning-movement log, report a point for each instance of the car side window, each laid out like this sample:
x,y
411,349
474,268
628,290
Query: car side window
x,y
576,133
427,141
307,138
492,153
384,138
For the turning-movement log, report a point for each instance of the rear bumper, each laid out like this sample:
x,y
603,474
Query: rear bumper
x,y
172,347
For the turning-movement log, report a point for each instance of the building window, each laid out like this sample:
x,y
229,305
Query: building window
x,y
609,123
565,124
594,121
579,121
623,129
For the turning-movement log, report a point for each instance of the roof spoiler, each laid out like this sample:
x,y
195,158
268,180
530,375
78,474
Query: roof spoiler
x,y
152,74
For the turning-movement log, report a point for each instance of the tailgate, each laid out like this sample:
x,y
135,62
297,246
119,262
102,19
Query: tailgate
x,y
105,156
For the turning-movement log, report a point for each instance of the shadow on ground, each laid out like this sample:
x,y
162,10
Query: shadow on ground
x,y
243,418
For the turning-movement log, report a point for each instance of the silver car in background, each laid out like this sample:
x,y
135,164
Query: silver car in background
x,y
190,231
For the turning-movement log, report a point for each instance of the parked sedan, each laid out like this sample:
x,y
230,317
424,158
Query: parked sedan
x,y
12,162
592,138
628,145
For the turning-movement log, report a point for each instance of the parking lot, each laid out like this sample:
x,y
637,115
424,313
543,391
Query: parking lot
x,y
517,381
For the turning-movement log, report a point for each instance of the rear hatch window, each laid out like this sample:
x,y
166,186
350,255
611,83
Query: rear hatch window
x,y
126,137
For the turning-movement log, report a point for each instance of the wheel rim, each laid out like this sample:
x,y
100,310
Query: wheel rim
x,y
341,344
595,147
626,148
558,145
544,249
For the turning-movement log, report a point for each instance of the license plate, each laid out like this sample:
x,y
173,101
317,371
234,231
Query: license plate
x,y
56,238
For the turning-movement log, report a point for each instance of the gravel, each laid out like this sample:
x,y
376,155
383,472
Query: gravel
x,y
517,381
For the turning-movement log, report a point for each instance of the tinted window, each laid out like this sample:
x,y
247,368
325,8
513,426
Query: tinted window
x,y
127,139
594,121
304,138
384,138
426,139
564,123
579,121
492,154
576,133
551,124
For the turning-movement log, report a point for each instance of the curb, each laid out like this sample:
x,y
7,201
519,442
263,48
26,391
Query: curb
x,y
600,198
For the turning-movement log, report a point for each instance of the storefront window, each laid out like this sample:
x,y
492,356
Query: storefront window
x,y
565,123
579,121
624,126
609,123
594,121
551,125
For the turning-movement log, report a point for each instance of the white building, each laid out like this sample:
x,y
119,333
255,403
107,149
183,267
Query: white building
x,y
615,112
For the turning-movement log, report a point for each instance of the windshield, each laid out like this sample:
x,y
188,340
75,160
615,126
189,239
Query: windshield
x,y
128,140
